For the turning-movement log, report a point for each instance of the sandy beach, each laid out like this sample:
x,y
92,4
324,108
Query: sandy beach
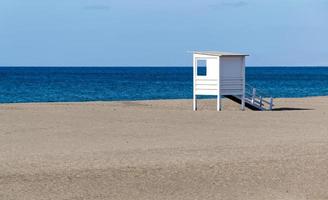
x,y
163,150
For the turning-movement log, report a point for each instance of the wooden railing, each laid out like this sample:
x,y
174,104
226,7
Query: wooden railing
x,y
258,98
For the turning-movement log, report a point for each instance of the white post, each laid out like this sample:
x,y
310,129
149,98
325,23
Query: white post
x,y
218,107
253,95
242,107
271,103
218,103
194,83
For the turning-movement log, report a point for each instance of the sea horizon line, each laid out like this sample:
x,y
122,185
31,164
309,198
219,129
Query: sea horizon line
x,y
152,66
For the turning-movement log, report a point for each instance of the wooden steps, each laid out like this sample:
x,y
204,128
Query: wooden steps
x,y
253,99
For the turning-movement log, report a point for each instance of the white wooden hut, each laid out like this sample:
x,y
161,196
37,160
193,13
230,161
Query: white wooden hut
x,y
225,76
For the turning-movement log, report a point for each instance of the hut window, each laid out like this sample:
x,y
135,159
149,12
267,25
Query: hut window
x,y
201,68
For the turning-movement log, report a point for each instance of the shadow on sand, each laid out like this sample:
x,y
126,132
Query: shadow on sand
x,y
290,109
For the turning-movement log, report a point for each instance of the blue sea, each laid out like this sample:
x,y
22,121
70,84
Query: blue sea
x,y
76,84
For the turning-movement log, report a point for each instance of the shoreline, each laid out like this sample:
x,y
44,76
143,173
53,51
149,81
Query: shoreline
x,y
142,100
163,150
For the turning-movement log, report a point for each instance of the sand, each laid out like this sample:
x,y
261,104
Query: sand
x,y
163,150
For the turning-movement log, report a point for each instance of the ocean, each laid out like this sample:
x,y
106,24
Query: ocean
x,y
78,84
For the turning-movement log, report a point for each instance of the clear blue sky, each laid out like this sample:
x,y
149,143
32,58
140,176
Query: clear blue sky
x,y
160,32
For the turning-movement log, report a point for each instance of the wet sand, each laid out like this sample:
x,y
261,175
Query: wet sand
x,y
164,150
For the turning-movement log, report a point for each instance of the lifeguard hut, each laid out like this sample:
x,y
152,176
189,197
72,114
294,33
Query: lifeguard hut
x,y
224,76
